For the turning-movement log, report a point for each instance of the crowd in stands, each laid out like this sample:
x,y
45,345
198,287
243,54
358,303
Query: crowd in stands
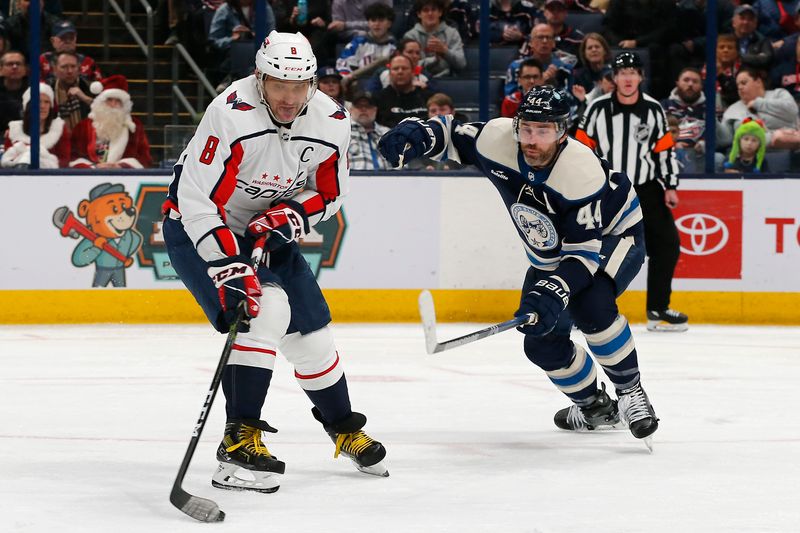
x,y
386,60
85,119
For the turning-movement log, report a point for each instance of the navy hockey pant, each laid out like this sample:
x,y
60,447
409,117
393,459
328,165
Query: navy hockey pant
x,y
594,311
245,387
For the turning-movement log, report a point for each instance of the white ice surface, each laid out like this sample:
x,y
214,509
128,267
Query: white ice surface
x,y
94,421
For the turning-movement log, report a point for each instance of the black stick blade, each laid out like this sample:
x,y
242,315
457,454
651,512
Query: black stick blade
x,y
201,509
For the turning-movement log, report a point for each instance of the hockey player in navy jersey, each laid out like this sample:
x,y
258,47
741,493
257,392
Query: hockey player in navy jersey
x,y
580,224
268,158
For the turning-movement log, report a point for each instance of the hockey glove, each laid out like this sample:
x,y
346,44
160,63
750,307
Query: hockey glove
x,y
411,138
236,282
284,223
547,299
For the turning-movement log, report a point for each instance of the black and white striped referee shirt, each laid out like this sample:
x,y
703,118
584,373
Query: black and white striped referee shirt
x,y
632,138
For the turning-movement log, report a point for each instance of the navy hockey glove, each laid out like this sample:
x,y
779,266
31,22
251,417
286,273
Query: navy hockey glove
x,y
284,223
547,299
411,138
236,282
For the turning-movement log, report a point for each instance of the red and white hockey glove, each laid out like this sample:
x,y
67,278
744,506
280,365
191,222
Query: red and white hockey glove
x,y
236,282
286,222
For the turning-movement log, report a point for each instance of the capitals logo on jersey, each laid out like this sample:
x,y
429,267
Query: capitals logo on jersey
x,y
538,229
339,114
237,103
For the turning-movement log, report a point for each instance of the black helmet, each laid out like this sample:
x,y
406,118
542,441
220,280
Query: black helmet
x,y
544,103
627,60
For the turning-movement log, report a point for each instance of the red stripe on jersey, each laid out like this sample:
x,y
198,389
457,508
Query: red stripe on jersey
x,y
328,178
226,241
314,205
253,349
167,205
298,375
227,183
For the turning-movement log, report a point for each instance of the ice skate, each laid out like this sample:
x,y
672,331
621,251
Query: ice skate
x,y
600,414
667,320
637,412
366,453
244,461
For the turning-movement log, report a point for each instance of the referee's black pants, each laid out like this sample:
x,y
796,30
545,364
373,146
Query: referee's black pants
x,y
661,242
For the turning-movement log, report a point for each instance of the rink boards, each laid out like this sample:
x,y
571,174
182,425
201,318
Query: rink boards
x,y
396,235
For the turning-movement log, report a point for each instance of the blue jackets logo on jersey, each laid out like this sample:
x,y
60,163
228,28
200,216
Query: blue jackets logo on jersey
x,y
237,103
538,229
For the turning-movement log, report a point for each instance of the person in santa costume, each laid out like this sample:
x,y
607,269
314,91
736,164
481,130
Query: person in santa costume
x,y
110,137
54,142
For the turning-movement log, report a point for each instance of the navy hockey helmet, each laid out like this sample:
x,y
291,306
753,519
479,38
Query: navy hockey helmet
x,y
627,60
543,103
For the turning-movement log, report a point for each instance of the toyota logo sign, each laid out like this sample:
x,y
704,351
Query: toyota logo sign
x,y
707,234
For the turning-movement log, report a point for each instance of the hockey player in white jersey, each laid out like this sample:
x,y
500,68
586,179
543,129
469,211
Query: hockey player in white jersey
x,y
268,158
580,224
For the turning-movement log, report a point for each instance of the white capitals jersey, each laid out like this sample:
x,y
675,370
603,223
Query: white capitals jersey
x,y
240,163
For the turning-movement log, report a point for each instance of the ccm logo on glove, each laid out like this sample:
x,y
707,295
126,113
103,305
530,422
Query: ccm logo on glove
x,y
232,271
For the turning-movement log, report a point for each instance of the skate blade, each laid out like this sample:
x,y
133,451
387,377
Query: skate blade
x,y
375,470
654,325
232,477
648,441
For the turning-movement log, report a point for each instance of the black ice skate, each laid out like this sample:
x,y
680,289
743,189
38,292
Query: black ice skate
x,y
365,452
667,320
637,412
600,414
244,461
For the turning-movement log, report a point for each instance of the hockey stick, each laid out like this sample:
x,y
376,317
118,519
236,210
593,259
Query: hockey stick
x,y
203,509
428,314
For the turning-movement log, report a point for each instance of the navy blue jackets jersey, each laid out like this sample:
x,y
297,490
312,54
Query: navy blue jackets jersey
x,y
562,212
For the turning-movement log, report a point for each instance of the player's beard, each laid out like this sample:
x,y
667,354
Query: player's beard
x,y
541,156
109,122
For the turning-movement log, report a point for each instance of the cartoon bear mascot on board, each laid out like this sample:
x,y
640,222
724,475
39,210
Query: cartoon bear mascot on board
x,y
109,238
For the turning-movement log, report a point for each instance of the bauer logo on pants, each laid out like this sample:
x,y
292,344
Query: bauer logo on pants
x,y
710,227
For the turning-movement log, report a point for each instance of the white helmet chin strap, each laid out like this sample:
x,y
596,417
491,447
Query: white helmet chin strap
x,y
261,78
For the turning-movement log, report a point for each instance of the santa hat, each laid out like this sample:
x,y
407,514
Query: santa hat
x,y
114,86
44,90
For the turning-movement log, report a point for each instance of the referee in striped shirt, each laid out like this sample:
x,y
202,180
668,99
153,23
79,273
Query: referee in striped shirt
x,y
629,129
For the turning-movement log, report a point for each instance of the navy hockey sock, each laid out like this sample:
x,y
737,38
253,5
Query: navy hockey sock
x,y
578,380
615,351
333,402
245,389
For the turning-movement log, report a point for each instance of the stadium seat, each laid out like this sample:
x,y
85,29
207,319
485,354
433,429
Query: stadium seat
x,y
778,161
242,53
499,58
586,22
464,92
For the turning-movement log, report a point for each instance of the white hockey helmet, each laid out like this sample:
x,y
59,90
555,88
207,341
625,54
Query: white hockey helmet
x,y
286,56
289,57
